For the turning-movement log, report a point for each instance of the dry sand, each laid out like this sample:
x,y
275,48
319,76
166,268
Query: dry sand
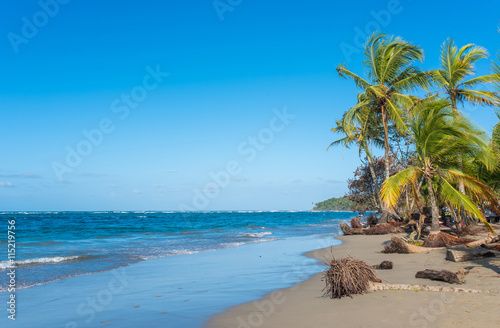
x,y
304,306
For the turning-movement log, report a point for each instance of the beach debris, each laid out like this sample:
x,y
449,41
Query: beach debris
x,y
371,220
440,275
442,239
385,265
417,288
466,254
398,245
495,247
346,277
384,229
462,273
105,321
136,306
346,230
355,223
379,229
488,240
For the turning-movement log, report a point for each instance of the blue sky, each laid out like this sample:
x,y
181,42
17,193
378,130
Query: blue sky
x,y
231,65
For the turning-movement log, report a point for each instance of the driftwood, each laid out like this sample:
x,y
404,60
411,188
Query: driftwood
x,y
377,286
488,240
346,230
385,265
355,223
442,275
464,254
398,245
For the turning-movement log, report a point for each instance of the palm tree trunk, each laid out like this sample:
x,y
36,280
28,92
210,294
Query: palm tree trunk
x,y
375,185
385,215
435,210
386,143
461,186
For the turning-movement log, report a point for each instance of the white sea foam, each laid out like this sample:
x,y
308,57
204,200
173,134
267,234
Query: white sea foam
x,y
6,264
256,234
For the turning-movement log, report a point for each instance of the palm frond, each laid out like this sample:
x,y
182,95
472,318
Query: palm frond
x,y
393,187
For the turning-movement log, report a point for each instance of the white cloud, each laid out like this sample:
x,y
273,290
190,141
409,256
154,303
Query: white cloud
x,y
6,184
137,191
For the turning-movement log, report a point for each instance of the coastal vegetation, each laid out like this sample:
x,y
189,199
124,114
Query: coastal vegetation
x,y
436,162
334,204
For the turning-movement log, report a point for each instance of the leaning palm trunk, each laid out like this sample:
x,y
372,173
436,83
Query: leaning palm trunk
x,y
435,210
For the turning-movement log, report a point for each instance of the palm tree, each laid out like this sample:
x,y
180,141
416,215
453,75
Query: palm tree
x,y
454,76
363,132
389,63
439,131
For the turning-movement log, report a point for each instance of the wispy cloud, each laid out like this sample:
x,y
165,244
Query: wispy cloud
x,y
27,175
137,191
6,184
334,181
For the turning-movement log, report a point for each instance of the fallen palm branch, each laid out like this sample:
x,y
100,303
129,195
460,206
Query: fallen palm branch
x,y
347,277
383,286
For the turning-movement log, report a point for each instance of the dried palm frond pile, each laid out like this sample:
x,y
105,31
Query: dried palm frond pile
x,y
346,277
383,229
443,239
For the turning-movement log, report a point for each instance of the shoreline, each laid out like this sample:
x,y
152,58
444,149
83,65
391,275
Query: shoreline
x,y
175,291
303,305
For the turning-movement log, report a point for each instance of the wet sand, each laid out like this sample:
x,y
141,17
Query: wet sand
x,y
304,306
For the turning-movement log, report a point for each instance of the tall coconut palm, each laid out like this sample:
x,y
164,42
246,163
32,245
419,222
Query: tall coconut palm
x,y
438,132
391,73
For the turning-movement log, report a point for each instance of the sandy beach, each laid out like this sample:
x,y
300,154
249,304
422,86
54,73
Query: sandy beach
x,y
304,306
